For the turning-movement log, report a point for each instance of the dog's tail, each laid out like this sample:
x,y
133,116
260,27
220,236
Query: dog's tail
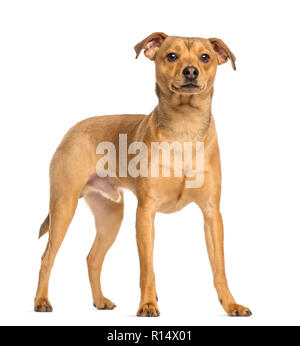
x,y
44,227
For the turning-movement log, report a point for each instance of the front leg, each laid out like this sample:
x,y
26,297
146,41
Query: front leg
x,y
214,235
145,242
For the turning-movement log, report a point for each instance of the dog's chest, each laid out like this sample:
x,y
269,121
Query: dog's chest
x,y
171,194
175,175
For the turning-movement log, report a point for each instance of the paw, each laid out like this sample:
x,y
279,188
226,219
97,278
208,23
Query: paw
x,y
42,305
148,310
238,310
104,304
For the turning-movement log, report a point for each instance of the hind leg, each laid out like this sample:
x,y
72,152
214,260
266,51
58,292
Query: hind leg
x,y
108,217
61,215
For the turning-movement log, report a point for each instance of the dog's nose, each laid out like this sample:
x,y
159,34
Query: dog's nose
x,y
190,73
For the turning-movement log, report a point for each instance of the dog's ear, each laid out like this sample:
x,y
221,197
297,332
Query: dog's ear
x,y
151,45
223,52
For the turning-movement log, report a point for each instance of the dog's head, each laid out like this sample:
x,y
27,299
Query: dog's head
x,y
185,65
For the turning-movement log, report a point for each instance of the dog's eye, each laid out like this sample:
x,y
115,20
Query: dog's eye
x,y
205,58
172,57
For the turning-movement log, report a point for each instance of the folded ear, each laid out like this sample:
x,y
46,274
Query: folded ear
x,y
223,52
151,45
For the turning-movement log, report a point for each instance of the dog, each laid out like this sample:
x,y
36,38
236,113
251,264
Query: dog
x,y
185,73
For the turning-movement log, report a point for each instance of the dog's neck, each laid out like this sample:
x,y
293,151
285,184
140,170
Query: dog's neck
x,y
183,116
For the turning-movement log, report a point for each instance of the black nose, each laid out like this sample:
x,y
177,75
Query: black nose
x,y
190,73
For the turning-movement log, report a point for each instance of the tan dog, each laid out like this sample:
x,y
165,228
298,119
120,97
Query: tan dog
x,y
185,72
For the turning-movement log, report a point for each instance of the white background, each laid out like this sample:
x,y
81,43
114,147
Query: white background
x,y
62,61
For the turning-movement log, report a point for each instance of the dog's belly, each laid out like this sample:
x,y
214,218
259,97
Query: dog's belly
x,y
167,197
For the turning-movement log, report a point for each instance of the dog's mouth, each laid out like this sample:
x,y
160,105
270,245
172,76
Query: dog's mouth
x,y
190,85
189,88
